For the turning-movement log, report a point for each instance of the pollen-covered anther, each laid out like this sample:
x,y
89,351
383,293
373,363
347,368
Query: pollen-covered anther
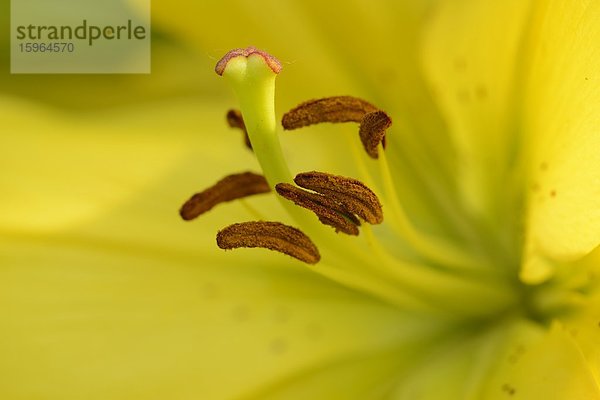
x,y
373,122
372,131
230,188
235,120
325,208
271,61
354,195
269,235
328,109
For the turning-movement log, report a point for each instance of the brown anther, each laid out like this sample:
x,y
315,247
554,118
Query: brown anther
x,y
372,131
373,122
326,209
230,188
235,120
328,109
271,61
355,196
269,235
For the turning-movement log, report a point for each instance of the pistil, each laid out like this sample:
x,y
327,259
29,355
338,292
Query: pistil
x,y
252,74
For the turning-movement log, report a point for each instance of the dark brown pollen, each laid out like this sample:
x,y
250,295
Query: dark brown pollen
x,y
327,210
230,188
373,122
329,109
269,235
354,195
372,131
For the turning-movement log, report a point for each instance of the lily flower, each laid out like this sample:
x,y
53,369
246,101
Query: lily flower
x,y
453,254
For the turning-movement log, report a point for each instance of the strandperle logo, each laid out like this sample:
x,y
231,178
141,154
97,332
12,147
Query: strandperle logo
x,y
85,31
80,36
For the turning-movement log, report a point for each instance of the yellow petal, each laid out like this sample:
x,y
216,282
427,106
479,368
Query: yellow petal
x,y
89,318
360,377
52,161
551,368
562,114
461,364
584,323
470,56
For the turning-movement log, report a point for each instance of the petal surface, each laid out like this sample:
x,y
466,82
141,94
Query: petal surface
x,y
562,116
462,364
552,367
470,56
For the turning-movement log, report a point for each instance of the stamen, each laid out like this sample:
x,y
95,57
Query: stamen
x,y
372,131
235,120
230,188
328,109
271,61
269,235
329,211
355,196
373,122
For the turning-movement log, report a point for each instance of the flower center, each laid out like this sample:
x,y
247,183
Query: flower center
x,y
395,262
